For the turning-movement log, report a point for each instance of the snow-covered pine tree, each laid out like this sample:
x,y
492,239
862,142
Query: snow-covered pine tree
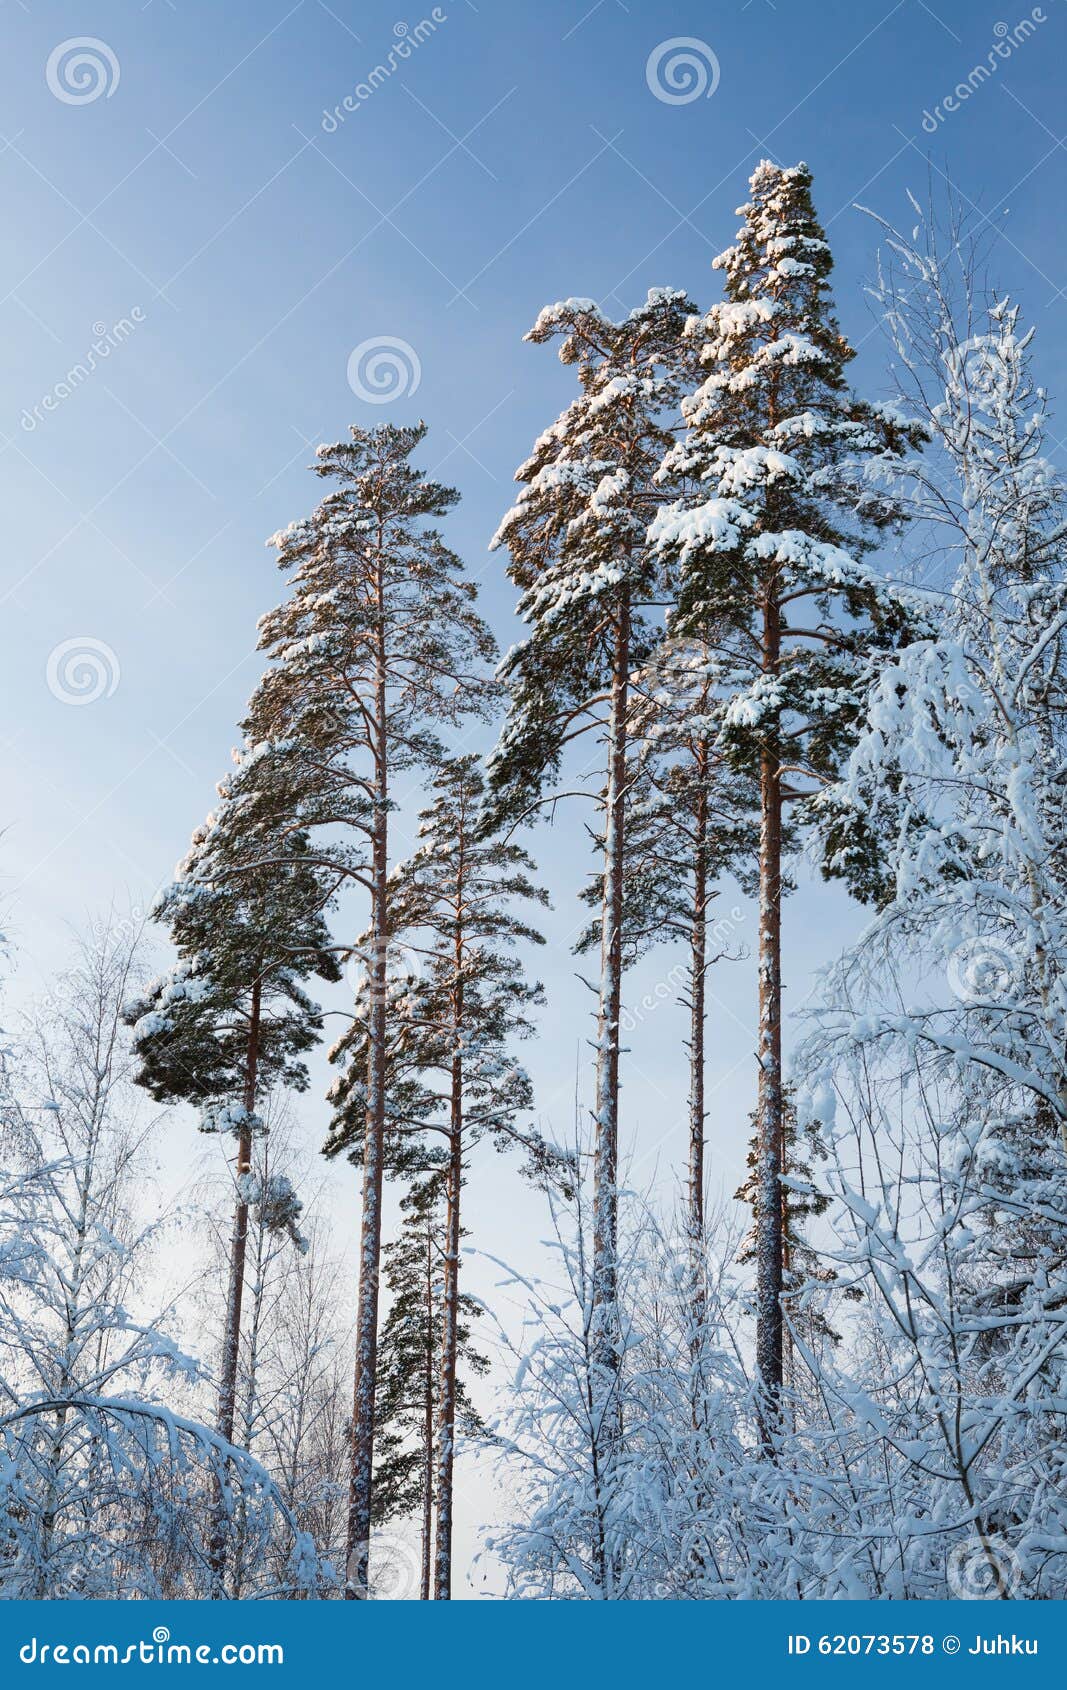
x,y
232,1019
803,1201
377,643
772,548
409,1366
579,554
457,897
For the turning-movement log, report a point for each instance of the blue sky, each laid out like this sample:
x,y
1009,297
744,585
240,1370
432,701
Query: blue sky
x,y
232,251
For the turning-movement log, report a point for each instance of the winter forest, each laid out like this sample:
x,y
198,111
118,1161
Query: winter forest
x,y
770,626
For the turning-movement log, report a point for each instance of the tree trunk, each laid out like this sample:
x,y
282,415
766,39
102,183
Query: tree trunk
x,y
231,1337
427,1428
360,1489
231,1341
697,972
446,1418
769,1350
606,1348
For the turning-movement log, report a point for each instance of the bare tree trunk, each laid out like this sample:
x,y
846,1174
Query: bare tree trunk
x,y
446,1421
697,992
606,1335
360,1489
231,1337
427,1428
231,1340
769,1350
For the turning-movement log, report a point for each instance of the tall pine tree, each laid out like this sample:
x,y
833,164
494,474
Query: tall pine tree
x,y
232,1019
579,553
452,1070
377,644
772,549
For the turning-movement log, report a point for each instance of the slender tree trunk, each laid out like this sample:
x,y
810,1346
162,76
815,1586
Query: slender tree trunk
x,y
231,1340
446,1421
427,1428
606,1335
698,943
231,1336
360,1488
769,1349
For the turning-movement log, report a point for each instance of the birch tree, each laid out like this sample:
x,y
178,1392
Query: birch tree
x,y
106,1488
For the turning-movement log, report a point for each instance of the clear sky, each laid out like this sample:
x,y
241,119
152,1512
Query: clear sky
x,y
189,194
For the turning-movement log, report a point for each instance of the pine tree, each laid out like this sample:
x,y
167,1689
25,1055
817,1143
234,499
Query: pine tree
x,y
377,643
456,898
409,1367
232,1019
579,554
802,1201
775,436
